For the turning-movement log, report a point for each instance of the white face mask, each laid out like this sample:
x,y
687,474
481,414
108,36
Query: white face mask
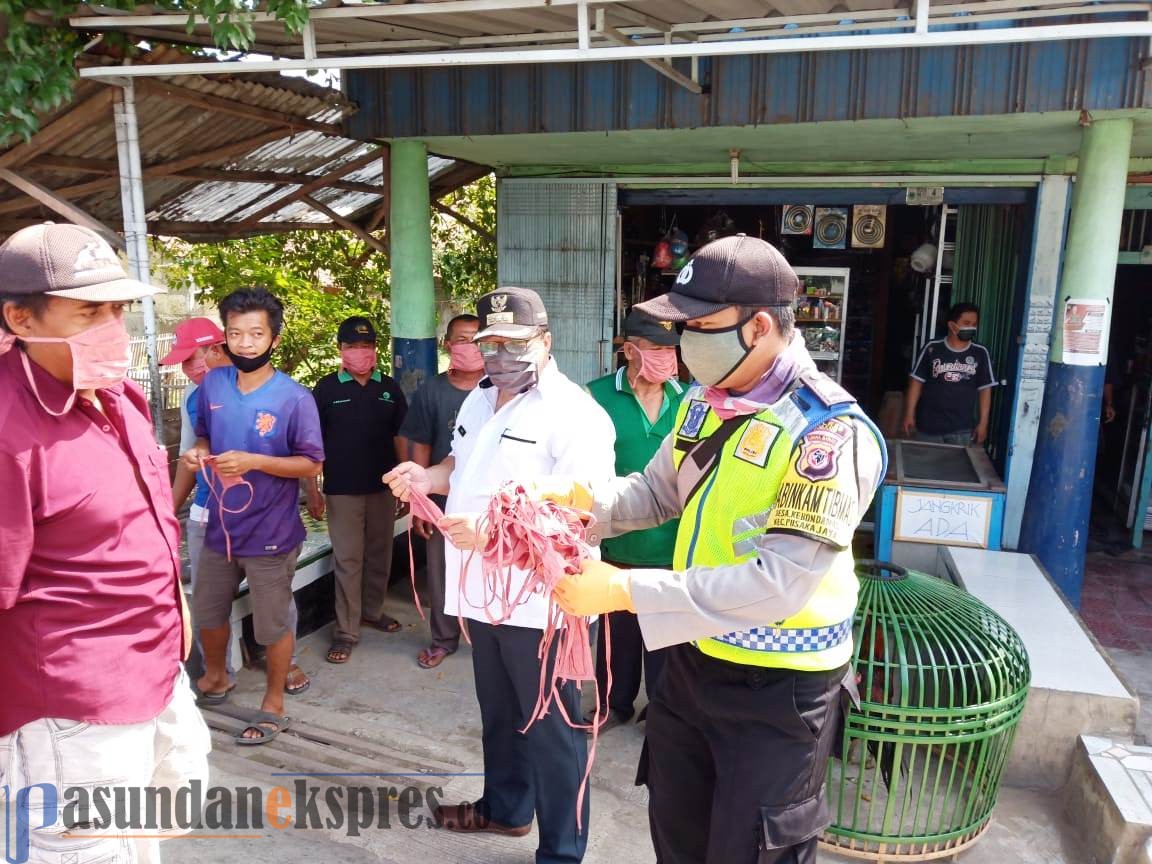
x,y
713,355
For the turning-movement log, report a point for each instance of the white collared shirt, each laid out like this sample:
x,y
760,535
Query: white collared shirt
x,y
555,428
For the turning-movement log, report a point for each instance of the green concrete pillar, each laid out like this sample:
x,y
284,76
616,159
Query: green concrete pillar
x,y
1055,526
413,289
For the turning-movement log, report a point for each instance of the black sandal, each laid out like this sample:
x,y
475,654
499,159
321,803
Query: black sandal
x,y
339,652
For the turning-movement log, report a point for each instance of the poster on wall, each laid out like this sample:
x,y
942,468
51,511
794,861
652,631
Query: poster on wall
x,y
831,228
1085,330
796,219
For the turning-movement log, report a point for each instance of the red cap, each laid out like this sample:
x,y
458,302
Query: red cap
x,y
190,335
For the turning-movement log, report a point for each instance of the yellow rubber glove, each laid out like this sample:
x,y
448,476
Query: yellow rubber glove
x,y
596,589
563,491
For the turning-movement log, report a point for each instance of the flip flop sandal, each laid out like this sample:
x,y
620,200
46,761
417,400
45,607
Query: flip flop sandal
x,y
432,657
300,688
207,700
386,624
339,652
260,720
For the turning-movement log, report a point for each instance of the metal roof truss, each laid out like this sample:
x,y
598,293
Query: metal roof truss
x,y
438,33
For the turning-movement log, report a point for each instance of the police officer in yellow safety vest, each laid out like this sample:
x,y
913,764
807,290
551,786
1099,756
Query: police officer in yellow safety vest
x,y
769,467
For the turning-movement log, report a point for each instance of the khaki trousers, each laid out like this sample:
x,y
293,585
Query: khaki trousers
x,y
360,527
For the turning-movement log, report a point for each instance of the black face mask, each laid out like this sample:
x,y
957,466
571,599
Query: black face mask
x,y
966,334
249,364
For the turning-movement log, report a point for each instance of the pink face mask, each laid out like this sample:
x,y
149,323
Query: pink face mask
x,y
195,368
99,359
657,364
465,357
209,468
359,361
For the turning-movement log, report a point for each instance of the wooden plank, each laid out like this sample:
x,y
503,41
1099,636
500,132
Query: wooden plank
x,y
465,221
164,170
59,205
344,223
308,188
221,105
74,121
218,175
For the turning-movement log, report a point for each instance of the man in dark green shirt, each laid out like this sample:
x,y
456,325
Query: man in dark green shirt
x,y
642,399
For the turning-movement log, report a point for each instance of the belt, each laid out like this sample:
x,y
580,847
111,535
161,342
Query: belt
x,y
800,640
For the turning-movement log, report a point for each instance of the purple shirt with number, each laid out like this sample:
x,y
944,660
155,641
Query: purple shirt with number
x,y
278,418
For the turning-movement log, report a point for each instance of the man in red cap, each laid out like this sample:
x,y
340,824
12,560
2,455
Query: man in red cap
x,y
197,348
91,612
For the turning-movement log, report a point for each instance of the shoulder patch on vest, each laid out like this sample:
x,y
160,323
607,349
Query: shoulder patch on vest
x,y
826,390
693,420
820,450
756,442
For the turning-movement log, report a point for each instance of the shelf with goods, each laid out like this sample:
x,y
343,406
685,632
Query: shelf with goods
x,y
820,315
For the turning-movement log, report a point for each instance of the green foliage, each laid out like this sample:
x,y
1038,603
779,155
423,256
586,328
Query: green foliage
x,y
321,276
325,276
38,51
464,261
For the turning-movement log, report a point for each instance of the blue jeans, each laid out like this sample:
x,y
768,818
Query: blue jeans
x,y
963,438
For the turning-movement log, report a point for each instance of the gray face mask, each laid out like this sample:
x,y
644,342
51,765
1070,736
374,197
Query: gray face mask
x,y
713,355
511,373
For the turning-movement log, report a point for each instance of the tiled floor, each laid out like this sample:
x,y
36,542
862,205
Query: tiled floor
x,y
1117,607
1117,599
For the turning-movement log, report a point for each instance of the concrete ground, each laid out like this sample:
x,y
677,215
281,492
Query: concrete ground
x,y
412,721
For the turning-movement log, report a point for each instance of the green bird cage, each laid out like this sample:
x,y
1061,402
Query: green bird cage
x,y
942,681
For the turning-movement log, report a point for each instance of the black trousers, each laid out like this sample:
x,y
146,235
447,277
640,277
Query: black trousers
x,y
538,772
630,659
735,759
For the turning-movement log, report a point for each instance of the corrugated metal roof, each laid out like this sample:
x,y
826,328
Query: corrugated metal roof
x,y
343,28
221,134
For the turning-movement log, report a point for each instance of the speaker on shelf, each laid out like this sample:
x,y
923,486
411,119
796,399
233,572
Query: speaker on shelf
x,y
796,219
831,228
868,226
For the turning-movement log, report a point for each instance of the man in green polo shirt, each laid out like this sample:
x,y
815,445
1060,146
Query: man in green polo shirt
x,y
642,399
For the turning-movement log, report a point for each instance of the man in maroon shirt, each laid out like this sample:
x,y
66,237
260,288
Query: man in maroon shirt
x,y
92,627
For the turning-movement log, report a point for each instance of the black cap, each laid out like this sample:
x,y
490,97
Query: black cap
x,y
640,326
356,329
732,271
515,313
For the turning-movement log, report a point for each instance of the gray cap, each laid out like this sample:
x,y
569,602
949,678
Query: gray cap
x,y
640,326
66,260
732,271
514,313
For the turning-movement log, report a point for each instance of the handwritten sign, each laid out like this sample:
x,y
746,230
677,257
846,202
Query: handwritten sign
x,y
934,517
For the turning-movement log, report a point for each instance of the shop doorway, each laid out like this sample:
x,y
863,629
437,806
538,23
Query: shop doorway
x,y
1120,492
879,277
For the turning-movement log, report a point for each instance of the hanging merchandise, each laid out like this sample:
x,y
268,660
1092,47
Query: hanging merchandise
x,y
831,229
797,219
718,225
662,255
678,245
868,222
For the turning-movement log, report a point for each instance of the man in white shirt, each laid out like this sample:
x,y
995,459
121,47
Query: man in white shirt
x,y
525,420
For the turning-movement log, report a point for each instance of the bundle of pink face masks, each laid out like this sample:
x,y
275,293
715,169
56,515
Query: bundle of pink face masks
x,y
207,466
548,542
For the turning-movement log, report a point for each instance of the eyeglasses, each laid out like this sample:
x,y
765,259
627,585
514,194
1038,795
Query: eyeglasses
x,y
515,347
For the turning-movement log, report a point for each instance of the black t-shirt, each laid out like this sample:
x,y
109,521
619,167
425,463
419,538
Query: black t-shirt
x,y
358,423
951,381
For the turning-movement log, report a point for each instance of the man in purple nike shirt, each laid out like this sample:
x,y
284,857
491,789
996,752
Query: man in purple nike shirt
x,y
256,425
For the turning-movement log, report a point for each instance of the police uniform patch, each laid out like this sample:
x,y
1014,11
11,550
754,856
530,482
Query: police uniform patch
x,y
820,450
693,420
756,442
